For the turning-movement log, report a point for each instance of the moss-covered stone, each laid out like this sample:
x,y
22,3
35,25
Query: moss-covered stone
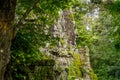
x,y
74,68
44,70
93,75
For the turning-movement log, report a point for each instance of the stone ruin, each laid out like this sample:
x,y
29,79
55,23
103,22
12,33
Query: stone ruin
x,y
65,29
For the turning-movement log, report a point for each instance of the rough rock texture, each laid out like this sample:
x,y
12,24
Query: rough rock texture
x,y
62,53
65,29
44,70
84,57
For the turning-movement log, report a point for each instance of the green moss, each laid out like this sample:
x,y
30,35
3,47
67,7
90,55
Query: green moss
x,y
62,41
71,16
74,68
93,75
61,79
45,70
59,69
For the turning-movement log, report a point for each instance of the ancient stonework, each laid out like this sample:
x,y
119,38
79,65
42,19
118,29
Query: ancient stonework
x,y
84,57
63,52
65,29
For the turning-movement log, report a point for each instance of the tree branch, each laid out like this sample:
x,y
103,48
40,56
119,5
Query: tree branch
x,y
20,23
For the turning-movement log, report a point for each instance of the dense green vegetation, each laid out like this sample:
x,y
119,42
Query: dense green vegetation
x,y
97,25
102,36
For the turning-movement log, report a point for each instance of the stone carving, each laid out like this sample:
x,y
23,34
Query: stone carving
x,y
65,29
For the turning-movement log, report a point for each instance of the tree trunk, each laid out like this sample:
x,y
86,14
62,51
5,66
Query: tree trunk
x,y
7,13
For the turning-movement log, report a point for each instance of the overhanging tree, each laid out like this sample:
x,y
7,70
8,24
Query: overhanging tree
x,y
7,16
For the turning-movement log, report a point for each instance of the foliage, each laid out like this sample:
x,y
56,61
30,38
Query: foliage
x,y
105,50
75,69
102,36
34,34
25,50
93,75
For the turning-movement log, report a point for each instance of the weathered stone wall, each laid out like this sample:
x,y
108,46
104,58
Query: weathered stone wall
x,y
63,52
65,29
84,57
44,70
